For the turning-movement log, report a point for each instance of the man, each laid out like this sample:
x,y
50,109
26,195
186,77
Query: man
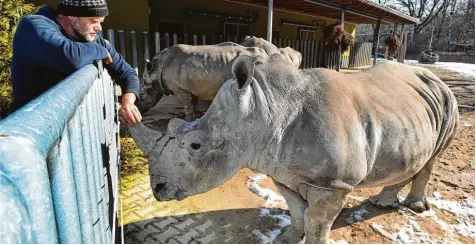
x,y
52,44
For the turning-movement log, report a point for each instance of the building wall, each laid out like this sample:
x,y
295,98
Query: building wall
x,y
176,10
134,15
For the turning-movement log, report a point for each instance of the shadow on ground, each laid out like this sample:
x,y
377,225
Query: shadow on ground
x,y
238,226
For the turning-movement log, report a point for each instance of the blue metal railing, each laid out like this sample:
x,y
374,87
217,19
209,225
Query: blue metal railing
x,y
59,157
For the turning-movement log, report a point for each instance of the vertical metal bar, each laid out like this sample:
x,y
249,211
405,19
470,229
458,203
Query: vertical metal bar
x,y
221,38
145,36
135,63
195,39
339,50
376,40
175,38
269,35
236,39
167,40
64,191
204,40
80,177
97,109
100,227
157,42
122,43
87,137
110,37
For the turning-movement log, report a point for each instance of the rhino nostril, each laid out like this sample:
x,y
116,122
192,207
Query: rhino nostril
x,y
195,146
159,187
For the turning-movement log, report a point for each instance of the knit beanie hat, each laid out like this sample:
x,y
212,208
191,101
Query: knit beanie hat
x,y
83,8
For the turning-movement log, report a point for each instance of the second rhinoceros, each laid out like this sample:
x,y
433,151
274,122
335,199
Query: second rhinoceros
x,y
318,133
190,73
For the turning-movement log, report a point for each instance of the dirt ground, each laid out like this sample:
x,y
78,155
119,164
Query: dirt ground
x,y
451,193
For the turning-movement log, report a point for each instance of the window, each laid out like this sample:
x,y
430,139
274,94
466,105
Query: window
x,y
306,34
238,30
172,27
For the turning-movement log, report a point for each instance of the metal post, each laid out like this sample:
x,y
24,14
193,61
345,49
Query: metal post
x,y
270,20
339,52
157,42
145,36
122,43
135,64
376,40
110,37
167,40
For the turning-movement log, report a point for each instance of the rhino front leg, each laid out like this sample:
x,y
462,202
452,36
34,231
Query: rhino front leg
x,y
185,98
293,233
387,198
323,208
416,199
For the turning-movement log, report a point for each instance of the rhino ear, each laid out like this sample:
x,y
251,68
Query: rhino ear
x,y
243,70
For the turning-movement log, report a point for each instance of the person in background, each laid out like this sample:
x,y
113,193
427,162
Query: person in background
x,y
52,44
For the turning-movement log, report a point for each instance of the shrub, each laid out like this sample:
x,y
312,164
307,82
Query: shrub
x,y
12,11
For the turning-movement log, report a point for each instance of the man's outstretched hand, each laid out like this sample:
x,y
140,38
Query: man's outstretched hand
x,y
129,112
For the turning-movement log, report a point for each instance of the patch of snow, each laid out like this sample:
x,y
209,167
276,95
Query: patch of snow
x,y
380,230
284,220
272,199
437,195
411,233
338,242
357,216
360,199
463,210
462,68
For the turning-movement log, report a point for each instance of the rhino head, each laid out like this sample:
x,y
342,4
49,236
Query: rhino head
x,y
150,91
194,157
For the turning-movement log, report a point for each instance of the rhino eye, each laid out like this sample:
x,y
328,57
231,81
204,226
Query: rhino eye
x,y
195,146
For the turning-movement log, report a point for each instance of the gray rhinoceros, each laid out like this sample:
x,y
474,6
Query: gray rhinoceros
x,y
318,133
252,41
293,55
190,73
289,53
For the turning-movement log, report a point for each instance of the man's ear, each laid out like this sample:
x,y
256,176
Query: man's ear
x,y
243,70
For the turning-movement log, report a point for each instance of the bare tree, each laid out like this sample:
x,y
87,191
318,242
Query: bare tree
x,y
425,10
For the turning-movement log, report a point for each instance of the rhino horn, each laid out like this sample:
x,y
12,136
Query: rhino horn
x,y
145,137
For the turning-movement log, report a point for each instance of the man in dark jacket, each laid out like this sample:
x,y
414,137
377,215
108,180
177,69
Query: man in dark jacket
x,y
52,44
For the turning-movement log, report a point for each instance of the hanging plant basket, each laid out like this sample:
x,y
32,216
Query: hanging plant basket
x,y
392,42
335,35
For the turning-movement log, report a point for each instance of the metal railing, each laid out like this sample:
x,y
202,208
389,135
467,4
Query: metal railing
x,y
59,157
314,54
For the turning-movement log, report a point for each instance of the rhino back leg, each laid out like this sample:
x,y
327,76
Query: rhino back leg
x,y
387,198
416,199
323,207
293,233
185,98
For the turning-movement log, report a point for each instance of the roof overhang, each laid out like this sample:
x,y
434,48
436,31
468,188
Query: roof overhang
x,y
356,11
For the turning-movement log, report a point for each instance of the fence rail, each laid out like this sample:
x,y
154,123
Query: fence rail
x,y
59,158
313,51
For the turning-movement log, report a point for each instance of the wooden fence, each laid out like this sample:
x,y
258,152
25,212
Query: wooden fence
x,y
313,52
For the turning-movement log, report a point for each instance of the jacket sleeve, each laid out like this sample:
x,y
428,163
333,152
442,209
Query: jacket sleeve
x,y
122,73
54,50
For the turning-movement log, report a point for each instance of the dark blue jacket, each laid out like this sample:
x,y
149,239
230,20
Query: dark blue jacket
x,y
43,55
